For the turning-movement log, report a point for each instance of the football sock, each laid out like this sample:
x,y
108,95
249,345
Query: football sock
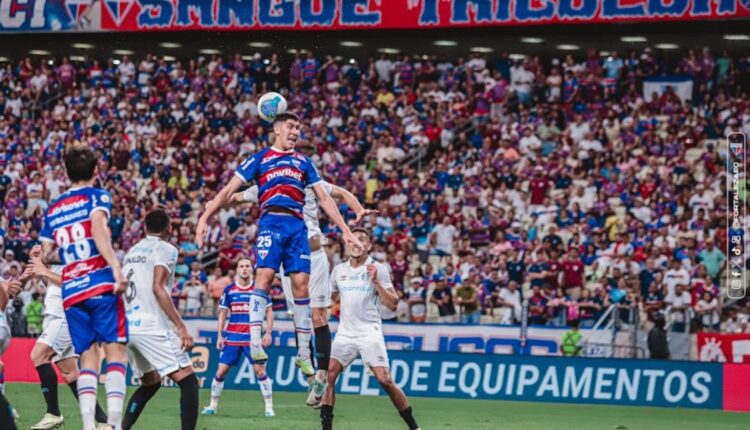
x,y
137,403
408,418
323,351
258,302
87,384
303,325
189,402
115,386
217,386
48,382
266,389
326,417
99,415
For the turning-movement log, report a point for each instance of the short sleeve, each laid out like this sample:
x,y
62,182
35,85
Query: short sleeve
x,y
248,170
327,187
312,175
46,234
101,201
384,276
224,299
334,286
251,194
166,256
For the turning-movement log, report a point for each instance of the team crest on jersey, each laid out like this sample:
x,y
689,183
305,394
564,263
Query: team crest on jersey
x,y
262,253
296,163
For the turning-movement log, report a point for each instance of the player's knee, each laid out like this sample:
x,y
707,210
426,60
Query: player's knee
x,y
385,380
318,317
69,376
2,367
150,378
37,356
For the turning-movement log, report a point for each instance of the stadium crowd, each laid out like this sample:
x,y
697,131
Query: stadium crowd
x,y
497,180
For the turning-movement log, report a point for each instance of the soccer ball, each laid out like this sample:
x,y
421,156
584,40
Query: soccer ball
x,y
270,105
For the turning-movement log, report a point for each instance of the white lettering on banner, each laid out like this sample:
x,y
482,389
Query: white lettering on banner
x,y
420,375
549,383
602,383
626,383
575,386
697,382
290,370
490,390
669,395
349,374
446,374
652,374
400,373
365,388
476,379
528,376
511,380
245,372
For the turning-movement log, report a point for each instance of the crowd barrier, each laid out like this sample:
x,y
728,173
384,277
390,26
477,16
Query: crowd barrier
x,y
557,379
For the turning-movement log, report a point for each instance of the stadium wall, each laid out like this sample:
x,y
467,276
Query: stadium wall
x,y
488,376
220,15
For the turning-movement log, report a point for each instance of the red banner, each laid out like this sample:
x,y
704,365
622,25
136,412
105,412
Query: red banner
x,y
724,348
140,15
18,364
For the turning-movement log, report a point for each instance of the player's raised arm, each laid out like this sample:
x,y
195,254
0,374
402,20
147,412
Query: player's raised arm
x,y
250,195
101,235
330,208
382,283
222,199
40,269
352,202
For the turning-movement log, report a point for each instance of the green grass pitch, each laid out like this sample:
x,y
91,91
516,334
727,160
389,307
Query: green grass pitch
x,y
244,410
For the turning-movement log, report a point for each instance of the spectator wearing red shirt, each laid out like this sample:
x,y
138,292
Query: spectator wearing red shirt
x,y
573,271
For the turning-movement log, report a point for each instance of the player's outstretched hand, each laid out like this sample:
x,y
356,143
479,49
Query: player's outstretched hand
x,y
200,232
28,273
363,213
12,287
186,339
267,338
372,271
36,252
220,343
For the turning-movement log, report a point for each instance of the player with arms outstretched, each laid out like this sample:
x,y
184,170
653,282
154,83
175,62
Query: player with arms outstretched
x,y
319,285
282,176
159,339
54,345
362,284
76,233
234,338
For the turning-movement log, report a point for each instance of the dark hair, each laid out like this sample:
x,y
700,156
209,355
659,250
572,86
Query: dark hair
x,y
363,231
80,163
157,221
285,117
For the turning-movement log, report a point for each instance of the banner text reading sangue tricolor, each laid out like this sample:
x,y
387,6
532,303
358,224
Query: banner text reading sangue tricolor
x,y
139,15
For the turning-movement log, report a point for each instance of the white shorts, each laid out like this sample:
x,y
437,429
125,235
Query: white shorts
x,y
370,347
319,285
160,352
5,336
56,335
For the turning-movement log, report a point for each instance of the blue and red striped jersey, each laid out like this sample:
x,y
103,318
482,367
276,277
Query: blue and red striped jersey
x,y
281,177
68,224
237,300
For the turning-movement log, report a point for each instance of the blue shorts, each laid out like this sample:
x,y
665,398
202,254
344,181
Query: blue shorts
x,y
231,355
282,239
99,319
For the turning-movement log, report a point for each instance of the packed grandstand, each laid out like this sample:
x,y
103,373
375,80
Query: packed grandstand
x,y
497,179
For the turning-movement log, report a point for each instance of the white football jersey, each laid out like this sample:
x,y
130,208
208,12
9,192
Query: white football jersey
x,y
53,302
310,210
360,304
143,310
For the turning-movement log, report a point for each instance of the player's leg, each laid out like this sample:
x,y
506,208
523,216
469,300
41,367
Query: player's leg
x,y
41,354
150,384
398,398
69,370
189,394
111,327
258,301
320,301
229,358
82,335
266,386
329,397
297,264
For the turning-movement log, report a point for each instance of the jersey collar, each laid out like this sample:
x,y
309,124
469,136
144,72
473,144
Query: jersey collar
x,y
368,261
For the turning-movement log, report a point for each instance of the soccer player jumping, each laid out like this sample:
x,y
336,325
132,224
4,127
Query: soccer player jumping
x,y
282,176
92,281
362,284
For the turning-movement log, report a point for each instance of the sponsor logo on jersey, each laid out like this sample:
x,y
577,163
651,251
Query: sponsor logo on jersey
x,y
68,204
240,307
285,173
